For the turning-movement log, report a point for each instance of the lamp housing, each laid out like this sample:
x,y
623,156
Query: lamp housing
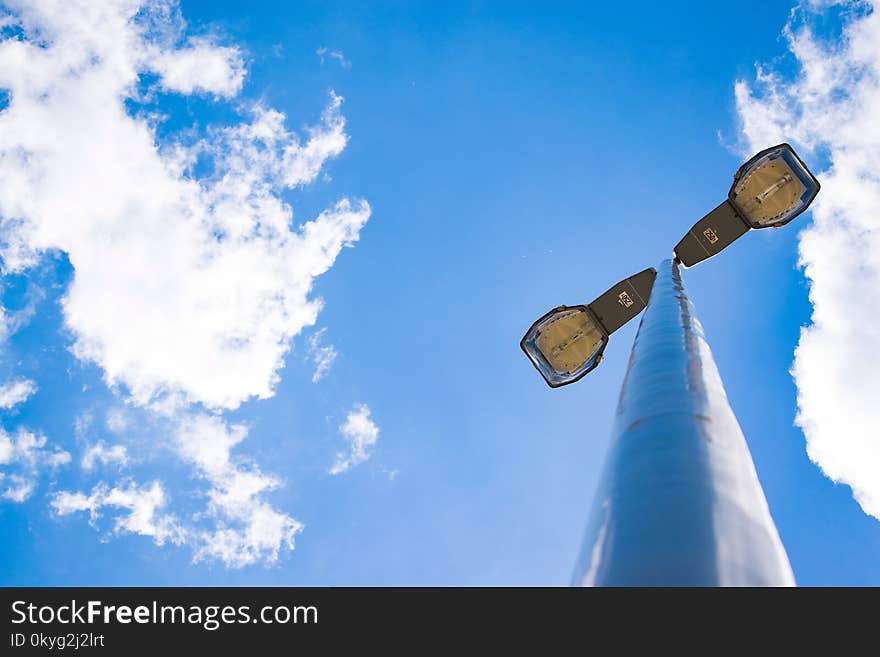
x,y
772,188
567,343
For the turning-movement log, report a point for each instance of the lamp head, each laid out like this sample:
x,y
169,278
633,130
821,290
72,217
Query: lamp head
x,y
772,188
567,342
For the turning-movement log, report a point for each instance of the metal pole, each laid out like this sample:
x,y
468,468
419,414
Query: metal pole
x,y
680,503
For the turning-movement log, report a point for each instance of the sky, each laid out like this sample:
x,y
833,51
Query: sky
x,y
265,267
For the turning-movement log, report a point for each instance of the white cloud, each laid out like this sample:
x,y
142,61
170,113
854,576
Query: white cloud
x,y
15,392
141,507
238,527
831,106
23,455
190,277
17,488
248,529
116,420
12,322
186,287
5,325
322,355
361,434
28,448
105,455
201,66
82,425
338,55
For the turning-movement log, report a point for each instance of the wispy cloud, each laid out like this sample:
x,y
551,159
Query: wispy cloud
x,y
141,508
831,106
116,420
322,355
337,55
12,322
24,455
237,527
189,282
248,529
103,454
361,434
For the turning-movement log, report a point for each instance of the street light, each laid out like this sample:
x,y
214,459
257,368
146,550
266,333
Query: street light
x,y
768,191
567,343
680,502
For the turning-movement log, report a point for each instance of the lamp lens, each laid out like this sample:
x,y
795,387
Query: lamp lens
x,y
565,344
773,189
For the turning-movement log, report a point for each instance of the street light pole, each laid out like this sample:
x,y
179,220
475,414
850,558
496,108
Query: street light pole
x,y
680,502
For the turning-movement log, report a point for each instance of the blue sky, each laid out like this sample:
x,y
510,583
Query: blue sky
x,y
514,157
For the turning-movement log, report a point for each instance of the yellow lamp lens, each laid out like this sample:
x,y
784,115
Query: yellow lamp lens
x,y
769,193
568,340
773,188
565,344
